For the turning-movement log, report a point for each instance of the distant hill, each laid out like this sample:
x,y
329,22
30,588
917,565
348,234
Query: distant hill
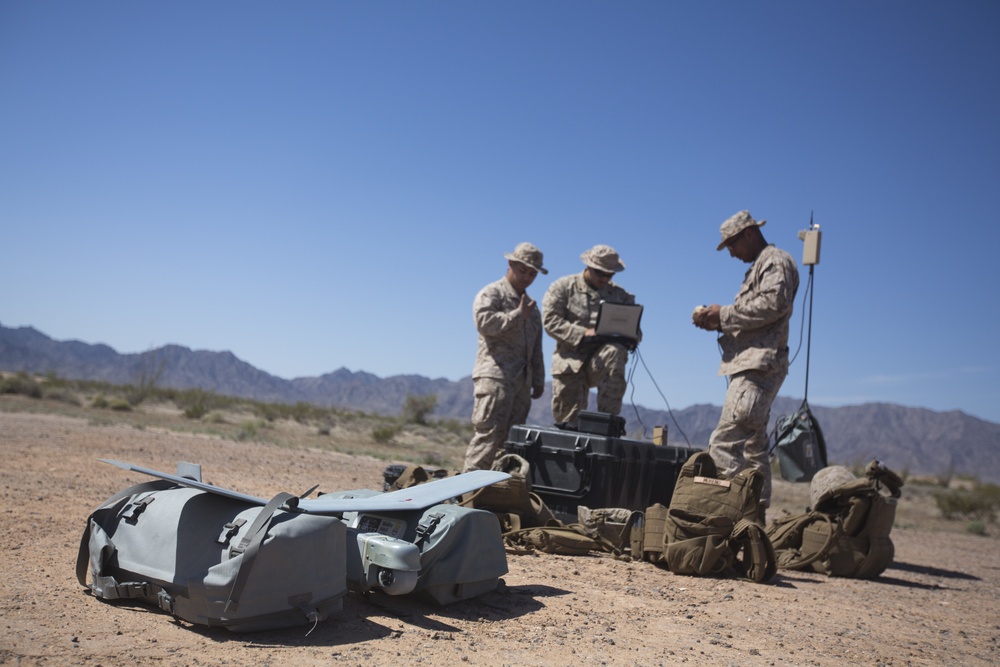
x,y
913,439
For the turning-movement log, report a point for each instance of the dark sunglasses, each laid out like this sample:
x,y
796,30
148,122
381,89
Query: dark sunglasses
x,y
736,237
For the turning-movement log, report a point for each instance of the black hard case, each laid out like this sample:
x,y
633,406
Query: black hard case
x,y
569,468
600,423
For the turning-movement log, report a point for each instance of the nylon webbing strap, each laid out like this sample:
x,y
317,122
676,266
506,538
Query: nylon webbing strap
x,y
229,530
110,589
794,558
759,562
250,545
424,529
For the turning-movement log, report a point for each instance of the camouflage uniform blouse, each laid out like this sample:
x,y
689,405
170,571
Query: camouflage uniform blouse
x,y
570,307
755,326
508,342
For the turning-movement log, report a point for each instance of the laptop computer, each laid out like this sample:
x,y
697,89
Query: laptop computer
x,y
617,323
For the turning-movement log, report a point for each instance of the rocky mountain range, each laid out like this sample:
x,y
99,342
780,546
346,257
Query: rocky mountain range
x,y
911,439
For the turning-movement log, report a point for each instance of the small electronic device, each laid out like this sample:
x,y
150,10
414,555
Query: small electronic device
x,y
810,249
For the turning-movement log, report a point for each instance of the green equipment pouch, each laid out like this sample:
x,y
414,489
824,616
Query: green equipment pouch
x,y
753,554
571,540
648,536
513,495
696,544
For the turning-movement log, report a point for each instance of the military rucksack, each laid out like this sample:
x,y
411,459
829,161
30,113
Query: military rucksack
x,y
846,533
710,527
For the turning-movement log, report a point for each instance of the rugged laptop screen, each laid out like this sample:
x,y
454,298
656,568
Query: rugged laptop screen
x,y
618,320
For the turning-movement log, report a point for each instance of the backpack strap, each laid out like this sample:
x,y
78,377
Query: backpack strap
x,y
426,527
249,545
786,540
758,563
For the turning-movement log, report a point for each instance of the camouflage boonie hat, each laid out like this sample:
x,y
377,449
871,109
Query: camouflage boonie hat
x,y
527,254
737,224
603,258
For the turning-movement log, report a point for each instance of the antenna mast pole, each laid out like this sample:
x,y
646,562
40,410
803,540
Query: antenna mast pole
x,y
812,266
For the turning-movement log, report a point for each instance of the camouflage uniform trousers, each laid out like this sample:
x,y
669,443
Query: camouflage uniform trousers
x,y
740,440
605,369
498,406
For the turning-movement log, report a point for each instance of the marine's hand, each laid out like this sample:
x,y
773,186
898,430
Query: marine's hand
x,y
536,392
707,317
527,303
698,314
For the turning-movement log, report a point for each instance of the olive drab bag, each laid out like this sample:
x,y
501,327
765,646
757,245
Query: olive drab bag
x,y
647,538
567,540
710,527
400,476
613,524
846,533
607,530
511,500
513,495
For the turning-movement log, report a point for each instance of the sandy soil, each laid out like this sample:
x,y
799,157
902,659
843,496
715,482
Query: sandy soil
x,y
939,604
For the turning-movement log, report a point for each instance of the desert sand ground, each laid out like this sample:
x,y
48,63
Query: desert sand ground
x,y
938,604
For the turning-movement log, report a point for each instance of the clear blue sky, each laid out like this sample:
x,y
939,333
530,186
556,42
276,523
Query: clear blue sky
x,y
316,185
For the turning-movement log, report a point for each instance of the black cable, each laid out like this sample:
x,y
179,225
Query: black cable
x,y
802,325
805,394
722,353
665,401
628,380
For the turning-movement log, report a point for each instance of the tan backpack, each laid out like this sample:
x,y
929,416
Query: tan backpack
x,y
710,527
846,534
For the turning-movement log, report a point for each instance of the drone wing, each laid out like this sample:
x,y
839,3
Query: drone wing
x,y
413,498
187,481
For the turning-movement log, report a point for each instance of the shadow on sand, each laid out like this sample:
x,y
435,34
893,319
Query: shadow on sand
x,y
377,616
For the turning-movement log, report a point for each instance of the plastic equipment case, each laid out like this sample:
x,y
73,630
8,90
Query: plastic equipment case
x,y
570,468
601,423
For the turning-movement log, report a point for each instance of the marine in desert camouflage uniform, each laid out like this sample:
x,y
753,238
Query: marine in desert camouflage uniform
x,y
570,306
509,371
754,342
